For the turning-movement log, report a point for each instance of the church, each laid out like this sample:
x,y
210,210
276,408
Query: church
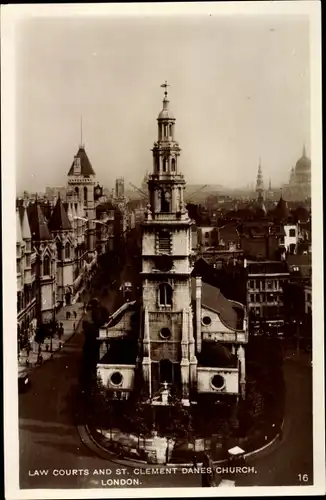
x,y
184,335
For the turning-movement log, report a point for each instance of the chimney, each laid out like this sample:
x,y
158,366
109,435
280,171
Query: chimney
x,y
198,312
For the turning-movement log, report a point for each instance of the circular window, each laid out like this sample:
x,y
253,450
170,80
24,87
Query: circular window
x,y
165,333
116,378
206,320
217,382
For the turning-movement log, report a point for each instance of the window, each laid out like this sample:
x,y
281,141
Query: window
x,y
164,242
116,379
251,284
308,297
18,266
67,251
173,164
269,285
207,235
170,130
292,233
165,333
217,382
85,194
46,266
165,294
282,240
164,164
252,297
206,320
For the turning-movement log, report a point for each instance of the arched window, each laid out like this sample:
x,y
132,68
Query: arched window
x,y
165,294
77,190
67,251
170,130
85,194
46,266
164,164
173,164
58,243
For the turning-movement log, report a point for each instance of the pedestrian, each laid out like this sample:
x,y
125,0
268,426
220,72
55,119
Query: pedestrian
x,y
74,326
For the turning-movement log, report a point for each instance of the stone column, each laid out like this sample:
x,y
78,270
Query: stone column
x,y
192,357
198,313
146,363
242,374
184,357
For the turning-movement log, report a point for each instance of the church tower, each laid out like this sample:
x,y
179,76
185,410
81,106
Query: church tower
x,y
168,347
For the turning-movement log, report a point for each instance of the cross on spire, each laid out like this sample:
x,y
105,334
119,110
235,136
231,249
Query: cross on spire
x,y
165,85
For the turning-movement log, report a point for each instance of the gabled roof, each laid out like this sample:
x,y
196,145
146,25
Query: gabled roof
x,y
85,164
59,219
37,223
230,313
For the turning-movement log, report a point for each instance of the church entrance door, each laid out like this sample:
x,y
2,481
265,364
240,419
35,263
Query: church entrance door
x,y
166,371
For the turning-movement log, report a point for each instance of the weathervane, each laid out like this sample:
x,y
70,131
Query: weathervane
x,y
165,85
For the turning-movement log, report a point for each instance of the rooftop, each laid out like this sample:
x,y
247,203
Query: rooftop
x,y
230,313
85,164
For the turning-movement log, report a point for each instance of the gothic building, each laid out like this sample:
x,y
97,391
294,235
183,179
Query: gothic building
x,y
184,334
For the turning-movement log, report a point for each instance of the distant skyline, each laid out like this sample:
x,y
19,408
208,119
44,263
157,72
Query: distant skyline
x,y
240,91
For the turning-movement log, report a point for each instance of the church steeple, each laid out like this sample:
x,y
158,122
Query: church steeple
x,y
166,183
260,183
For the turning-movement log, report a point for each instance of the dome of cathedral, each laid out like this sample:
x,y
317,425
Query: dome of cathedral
x,y
303,165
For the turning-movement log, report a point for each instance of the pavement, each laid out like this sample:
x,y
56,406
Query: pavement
x,y
28,359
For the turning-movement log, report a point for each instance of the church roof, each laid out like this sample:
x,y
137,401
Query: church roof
x,y
230,313
59,219
85,164
37,223
121,352
214,354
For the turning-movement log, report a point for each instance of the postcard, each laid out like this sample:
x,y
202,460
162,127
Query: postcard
x,y
162,200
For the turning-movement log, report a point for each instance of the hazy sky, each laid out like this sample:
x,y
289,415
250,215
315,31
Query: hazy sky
x,y
239,91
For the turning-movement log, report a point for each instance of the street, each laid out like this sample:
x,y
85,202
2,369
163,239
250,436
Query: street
x,y
49,438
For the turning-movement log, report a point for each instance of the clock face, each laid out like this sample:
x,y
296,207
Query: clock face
x,y
164,263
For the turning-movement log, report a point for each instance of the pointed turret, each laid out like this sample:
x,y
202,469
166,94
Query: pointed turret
x,y
59,219
81,166
38,225
19,236
282,209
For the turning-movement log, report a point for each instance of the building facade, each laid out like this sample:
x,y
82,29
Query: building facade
x,y
265,294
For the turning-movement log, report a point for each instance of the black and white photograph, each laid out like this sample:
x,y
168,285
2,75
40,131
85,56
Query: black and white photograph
x,y
162,194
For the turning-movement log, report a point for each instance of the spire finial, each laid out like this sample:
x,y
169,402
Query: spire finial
x,y
165,85
81,132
